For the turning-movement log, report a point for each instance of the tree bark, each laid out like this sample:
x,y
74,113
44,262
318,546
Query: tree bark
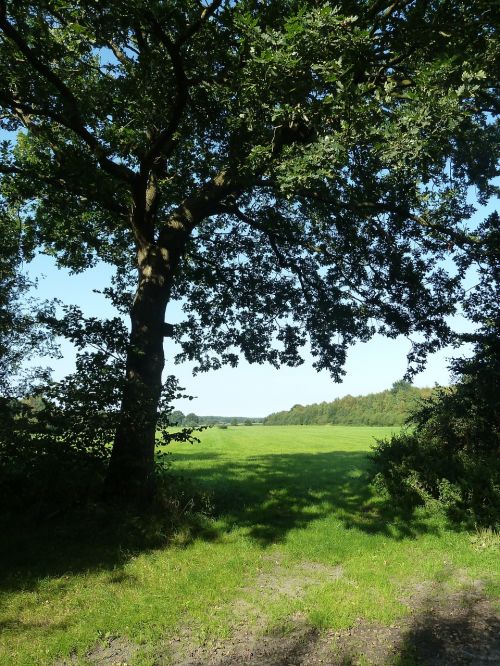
x,y
131,468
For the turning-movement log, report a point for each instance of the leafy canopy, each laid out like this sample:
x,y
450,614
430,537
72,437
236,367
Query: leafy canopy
x,y
323,153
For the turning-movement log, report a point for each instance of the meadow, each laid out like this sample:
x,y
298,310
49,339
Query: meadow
x,y
285,555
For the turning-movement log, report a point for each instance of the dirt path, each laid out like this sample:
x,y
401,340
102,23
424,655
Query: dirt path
x,y
445,627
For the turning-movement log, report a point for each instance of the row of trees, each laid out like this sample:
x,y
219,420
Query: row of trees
x,y
387,408
179,419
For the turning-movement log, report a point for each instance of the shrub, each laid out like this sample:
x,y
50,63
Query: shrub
x,y
55,446
414,468
450,455
55,456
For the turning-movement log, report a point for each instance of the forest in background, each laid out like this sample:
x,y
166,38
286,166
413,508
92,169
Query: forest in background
x,y
387,408
192,420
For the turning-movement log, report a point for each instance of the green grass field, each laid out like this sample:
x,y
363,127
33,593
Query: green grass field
x,y
292,530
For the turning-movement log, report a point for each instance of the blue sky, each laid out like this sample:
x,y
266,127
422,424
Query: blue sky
x,y
248,390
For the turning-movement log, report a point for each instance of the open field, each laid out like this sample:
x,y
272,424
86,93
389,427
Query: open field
x,y
292,560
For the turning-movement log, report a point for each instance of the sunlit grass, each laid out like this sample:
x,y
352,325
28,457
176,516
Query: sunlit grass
x,y
294,528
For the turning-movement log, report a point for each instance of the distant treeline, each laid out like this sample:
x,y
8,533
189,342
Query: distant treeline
x,y
180,419
391,407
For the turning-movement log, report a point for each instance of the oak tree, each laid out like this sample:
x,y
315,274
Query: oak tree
x,y
292,171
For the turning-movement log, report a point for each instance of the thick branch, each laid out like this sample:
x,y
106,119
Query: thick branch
x,y
24,111
164,142
204,203
119,54
72,119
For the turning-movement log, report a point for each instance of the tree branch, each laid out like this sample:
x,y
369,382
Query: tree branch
x,y
73,119
24,111
66,186
204,203
164,143
119,54
197,25
285,263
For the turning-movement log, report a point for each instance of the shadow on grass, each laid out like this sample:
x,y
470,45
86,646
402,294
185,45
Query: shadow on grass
x,y
268,495
94,537
468,635
271,494
446,627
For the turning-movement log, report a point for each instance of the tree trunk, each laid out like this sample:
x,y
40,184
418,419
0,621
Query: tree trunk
x,y
131,468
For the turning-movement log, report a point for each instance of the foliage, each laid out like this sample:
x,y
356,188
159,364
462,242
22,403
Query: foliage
x,y
451,454
387,408
293,172
21,335
176,417
54,446
415,468
57,454
191,419
390,96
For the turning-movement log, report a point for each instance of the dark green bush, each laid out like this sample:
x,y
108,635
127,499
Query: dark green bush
x,y
450,454
53,457
55,447
414,469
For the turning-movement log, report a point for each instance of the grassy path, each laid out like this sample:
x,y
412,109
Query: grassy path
x,y
296,552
